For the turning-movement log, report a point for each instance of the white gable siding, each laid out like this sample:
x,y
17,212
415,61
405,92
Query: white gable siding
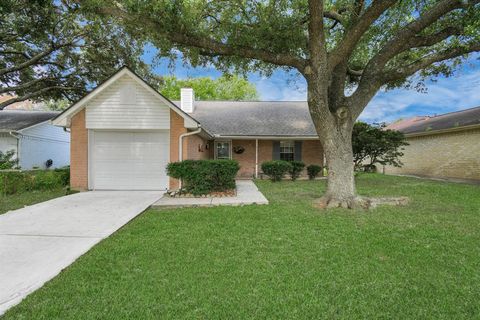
x,y
42,142
126,104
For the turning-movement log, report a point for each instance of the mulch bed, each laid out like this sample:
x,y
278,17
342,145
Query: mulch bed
x,y
215,194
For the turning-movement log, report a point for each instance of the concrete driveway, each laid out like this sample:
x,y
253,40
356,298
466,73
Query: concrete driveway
x,y
38,241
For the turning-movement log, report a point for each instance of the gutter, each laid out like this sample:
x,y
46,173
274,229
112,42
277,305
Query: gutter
x,y
218,136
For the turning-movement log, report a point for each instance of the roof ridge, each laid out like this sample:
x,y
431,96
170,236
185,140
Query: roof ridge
x,y
451,112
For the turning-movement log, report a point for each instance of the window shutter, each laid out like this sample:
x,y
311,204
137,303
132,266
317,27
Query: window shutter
x,y
276,150
298,150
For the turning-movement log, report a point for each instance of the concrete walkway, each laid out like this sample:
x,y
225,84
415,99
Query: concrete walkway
x,y
37,242
247,193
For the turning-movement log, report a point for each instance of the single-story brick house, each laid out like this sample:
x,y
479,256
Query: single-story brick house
x,y
34,139
442,146
124,133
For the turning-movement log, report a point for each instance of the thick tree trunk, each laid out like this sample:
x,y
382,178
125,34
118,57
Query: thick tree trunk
x,y
334,125
339,157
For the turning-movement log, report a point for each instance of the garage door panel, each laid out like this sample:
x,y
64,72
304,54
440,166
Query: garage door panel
x,y
123,160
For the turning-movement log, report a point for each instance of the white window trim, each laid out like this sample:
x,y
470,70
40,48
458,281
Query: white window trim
x,y
293,148
215,148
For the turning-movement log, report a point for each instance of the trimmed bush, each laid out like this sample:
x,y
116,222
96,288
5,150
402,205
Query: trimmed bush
x,y
313,170
296,169
276,169
201,177
12,182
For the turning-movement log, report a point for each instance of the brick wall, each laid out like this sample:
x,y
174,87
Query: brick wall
x,y
447,155
79,152
312,153
176,129
247,158
197,148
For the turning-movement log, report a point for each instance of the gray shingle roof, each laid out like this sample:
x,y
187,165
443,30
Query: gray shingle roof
x,y
450,120
12,120
254,118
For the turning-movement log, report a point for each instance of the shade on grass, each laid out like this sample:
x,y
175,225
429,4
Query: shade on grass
x,y
285,260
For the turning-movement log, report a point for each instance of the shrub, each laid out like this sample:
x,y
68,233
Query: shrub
x,y
276,169
204,176
12,182
8,160
47,180
313,170
370,168
296,169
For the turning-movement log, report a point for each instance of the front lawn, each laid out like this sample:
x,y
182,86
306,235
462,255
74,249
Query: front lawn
x,y
283,261
20,200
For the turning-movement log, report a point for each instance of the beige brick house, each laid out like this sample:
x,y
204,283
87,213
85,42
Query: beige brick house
x,y
443,146
124,133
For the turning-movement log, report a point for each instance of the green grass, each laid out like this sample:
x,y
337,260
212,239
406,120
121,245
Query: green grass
x,y
283,261
20,200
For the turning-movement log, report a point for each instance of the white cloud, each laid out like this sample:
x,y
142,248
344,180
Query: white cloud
x,y
459,92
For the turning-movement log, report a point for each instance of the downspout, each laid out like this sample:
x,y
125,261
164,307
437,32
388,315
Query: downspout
x,y
180,147
256,158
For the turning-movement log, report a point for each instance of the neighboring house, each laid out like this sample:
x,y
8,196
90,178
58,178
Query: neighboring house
x,y
22,105
124,133
34,139
443,146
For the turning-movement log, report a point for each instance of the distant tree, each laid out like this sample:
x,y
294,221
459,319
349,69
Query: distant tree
x,y
227,87
374,144
48,50
57,105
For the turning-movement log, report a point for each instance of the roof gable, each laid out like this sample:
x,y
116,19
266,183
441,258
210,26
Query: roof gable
x,y
64,118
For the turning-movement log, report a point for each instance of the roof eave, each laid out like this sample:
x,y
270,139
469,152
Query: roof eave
x,y
433,132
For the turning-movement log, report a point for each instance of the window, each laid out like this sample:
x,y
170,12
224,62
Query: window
x,y
222,150
287,150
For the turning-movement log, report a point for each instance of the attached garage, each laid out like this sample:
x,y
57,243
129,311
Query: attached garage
x,y
123,135
128,160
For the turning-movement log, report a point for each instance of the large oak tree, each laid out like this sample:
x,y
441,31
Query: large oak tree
x,y
340,46
51,50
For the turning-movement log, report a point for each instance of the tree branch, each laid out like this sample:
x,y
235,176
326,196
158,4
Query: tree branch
x,y
210,45
412,68
345,48
334,15
407,38
32,95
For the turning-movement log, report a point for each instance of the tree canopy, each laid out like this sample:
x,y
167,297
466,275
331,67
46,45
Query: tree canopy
x,y
52,50
229,87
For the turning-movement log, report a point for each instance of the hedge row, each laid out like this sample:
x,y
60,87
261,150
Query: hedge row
x,y
201,177
12,182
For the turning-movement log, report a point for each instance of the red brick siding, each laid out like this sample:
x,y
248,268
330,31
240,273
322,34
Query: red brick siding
x,y
312,153
197,148
176,129
79,152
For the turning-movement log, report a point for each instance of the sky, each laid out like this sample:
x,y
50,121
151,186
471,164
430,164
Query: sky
x,y
458,92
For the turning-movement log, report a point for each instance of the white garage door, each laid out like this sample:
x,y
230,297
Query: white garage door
x,y
126,160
